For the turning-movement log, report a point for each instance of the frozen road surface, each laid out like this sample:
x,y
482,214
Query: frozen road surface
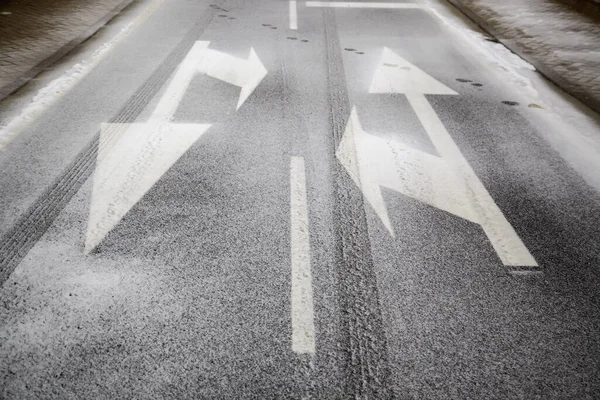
x,y
298,199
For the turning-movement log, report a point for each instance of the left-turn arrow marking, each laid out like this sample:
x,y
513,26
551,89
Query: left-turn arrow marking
x,y
446,182
373,162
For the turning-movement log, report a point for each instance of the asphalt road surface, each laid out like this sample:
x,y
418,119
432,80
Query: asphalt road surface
x,y
281,199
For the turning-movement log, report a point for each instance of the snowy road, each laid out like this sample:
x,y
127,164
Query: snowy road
x,y
298,199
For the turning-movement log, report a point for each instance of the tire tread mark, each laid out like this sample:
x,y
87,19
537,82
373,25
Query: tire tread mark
x,y
34,222
362,321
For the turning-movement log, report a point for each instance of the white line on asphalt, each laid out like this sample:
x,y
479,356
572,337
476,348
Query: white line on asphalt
x,y
526,272
509,247
246,74
446,182
343,4
48,95
167,105
303,329
293,15
133,157
169,101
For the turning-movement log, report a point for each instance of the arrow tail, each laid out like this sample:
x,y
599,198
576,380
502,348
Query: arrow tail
x,y
505,240
169,101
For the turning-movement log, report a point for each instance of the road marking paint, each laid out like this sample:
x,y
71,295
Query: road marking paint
x,y
523,272
141,156
48,95
396,75
447,182
341,4
133,157
167,104
504,238
373,162
246,74
293,15
303,329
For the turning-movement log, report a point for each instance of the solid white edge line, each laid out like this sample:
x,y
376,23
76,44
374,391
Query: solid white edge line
x,y
303,329
59,87
293,15
341,4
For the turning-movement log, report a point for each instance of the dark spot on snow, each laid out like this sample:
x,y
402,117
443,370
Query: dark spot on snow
x,y
349,49
304,40
266,24
292,38
359,52
477,84
510,103
273,27
463,80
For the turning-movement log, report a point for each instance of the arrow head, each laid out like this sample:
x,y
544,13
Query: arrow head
x,y
396,75
354,153
131,159
256,73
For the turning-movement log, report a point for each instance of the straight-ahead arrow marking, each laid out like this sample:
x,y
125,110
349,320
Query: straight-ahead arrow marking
x,y
447,182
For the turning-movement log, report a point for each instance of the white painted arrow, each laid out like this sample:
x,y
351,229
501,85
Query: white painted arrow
x,y
246,74
136,162
396,75
447,182
133,157
373,162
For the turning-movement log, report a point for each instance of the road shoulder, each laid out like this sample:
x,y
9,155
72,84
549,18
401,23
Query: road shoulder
x,y
62,27
563,48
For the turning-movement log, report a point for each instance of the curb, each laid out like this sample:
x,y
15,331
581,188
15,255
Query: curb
x,y
20,81
31,225
547,71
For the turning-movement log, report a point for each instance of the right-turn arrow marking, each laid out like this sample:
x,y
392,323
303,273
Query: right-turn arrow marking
x,y
132,158
246,74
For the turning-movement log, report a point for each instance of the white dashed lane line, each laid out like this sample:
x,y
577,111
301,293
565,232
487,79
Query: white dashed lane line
x,y
303,329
